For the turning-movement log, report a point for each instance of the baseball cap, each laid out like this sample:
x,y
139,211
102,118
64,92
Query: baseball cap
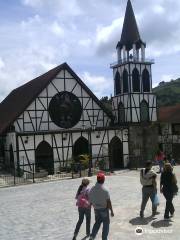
x,y
101,176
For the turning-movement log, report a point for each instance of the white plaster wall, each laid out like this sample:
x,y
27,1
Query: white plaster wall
x,y
65,153
42,106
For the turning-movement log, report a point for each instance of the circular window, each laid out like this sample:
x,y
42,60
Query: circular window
x,y
65,109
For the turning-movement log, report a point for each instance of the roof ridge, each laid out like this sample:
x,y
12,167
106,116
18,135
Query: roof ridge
x,y
20,98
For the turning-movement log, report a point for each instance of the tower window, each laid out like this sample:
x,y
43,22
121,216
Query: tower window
x,y
125,82
136,80
146,81
144,111
121,113
117,83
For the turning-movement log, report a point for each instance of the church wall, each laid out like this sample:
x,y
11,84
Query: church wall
x,y
169,141
62,145
36,117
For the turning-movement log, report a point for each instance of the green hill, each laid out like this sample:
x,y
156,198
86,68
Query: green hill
x,y
168,93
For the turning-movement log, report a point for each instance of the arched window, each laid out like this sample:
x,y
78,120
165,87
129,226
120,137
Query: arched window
x,y
136,80
121,113
125,82
144,111
146,81
117,83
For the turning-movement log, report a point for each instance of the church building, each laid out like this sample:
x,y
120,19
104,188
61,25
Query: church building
x,y
51,120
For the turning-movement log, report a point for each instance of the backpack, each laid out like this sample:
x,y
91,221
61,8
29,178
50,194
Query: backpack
x,y
82,200
144,179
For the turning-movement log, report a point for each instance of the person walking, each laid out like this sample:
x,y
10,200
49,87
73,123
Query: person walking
x,y
84,207
149,189
167,182
159,158
100,199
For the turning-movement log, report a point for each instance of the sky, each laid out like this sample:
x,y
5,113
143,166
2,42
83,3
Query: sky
x,y
37,35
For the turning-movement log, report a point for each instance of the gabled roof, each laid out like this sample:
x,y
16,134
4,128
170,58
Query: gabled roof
x,y
130,33
20,98
169,114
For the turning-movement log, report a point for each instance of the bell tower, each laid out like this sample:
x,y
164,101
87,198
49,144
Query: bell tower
x,y
133,100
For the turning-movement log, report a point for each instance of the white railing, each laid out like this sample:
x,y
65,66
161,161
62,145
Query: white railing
x,y
133,60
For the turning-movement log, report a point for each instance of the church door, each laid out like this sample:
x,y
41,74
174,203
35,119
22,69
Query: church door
x,y
116,153
81,147
44,158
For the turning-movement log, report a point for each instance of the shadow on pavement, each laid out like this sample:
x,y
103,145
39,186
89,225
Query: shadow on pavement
x,y
141,221
85,238
161,223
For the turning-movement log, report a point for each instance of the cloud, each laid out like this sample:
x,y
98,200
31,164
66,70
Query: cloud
x,y
107,36
85,42
98,84
57,7
30,53
57,29
42,34
159,27
166,77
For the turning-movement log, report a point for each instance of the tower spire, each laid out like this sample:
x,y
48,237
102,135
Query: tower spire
x,y
130,33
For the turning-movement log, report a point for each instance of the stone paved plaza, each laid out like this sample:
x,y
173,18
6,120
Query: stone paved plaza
x,y
47,211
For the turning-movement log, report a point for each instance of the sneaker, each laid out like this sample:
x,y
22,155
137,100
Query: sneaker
x,y
172,215
155,213
166,218
141,214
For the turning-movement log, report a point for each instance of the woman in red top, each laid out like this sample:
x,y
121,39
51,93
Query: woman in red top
x,y
159,159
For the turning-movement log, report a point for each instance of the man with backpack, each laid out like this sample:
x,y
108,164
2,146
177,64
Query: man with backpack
x,y
149,190
100,199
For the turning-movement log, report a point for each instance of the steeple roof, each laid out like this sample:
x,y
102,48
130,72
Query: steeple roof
x,y
130,33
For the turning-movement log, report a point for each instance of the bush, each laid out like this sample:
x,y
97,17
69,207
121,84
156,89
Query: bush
x,y
101,164
84,160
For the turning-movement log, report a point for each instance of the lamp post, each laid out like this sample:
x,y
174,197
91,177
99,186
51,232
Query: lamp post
x,y
90,153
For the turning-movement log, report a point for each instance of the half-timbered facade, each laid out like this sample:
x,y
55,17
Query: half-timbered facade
x,y
54,118
133,100
169,131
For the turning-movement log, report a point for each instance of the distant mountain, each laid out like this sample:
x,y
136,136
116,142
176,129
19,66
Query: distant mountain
x,y
168,93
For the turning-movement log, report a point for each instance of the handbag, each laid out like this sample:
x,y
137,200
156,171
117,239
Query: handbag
x,y
156,200
174,186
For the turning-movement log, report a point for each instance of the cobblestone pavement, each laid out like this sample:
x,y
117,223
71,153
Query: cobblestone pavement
x,y
47,211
